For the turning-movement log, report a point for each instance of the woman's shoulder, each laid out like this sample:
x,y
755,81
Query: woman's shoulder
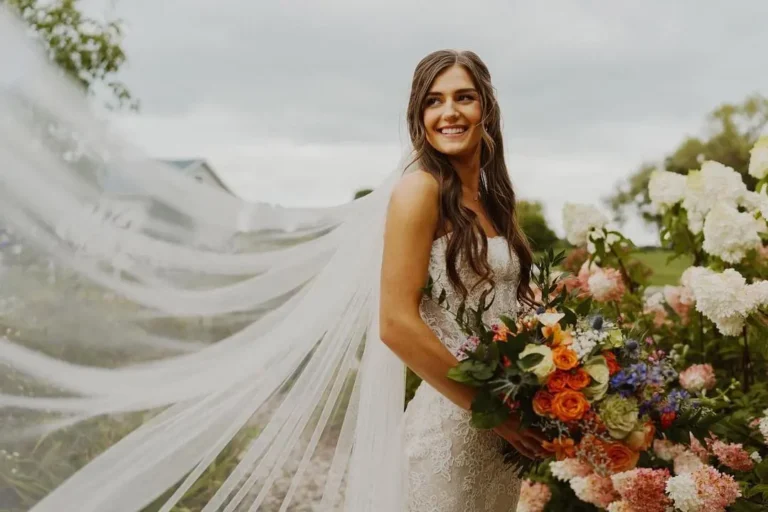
x,y
414,201
417,182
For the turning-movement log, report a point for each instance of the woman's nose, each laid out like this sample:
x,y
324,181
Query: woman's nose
x,y
450,111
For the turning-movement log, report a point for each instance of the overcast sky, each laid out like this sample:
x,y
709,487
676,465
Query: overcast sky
x,y
303,102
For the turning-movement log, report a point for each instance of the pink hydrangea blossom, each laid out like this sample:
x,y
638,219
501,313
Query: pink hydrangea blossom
x,y
732,455
654,306
667,450
680,299
534,497
687,462
621,506
699,450
585,272
606,285
567,469
698,377
643,489
705,490
595,489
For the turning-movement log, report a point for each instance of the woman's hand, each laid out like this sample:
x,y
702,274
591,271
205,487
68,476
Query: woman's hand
x,y
526,441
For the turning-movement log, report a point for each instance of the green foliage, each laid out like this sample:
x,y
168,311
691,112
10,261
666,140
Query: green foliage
x,y
530,215
363,192
731,131
87,50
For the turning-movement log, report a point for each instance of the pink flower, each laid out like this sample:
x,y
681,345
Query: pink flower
x,y
716,490
732,455
698,449
585,272
621,506
654,306
679,298
567,469
698,378
467,347
705,490
534,497
687,462
570,284
606,285
643,489
595,489
667,450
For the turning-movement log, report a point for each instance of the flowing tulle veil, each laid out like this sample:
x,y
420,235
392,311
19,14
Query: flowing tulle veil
x,y
166,344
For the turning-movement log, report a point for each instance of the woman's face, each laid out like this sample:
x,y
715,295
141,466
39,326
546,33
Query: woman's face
x,y
453,113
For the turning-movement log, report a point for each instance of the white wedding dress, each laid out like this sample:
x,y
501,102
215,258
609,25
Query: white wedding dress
x,y
452,466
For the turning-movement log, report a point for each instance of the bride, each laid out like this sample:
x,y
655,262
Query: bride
x,y
167,346
454,219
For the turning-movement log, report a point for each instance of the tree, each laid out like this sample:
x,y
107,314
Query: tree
x,y
86,49
731,131
534,225
363,192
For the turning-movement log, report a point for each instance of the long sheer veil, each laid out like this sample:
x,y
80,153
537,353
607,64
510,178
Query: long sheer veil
x,y
166,346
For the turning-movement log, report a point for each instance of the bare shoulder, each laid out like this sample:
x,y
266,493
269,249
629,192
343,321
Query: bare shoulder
x,y
413,206
416,189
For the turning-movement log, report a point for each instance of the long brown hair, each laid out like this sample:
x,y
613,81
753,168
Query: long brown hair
x,y
495,185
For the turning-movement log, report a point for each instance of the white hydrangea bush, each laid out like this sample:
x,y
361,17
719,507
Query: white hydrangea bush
x,y
581,220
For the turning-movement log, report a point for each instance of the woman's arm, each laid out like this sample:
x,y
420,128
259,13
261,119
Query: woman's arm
x,y
412,220
410,229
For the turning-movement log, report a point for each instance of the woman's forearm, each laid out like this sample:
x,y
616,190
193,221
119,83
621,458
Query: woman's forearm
x,y
418,347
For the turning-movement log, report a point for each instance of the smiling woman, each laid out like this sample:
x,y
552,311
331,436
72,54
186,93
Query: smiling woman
x,y
453,115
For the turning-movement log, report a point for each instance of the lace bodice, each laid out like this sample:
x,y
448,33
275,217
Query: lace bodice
x,y
506,276
454,467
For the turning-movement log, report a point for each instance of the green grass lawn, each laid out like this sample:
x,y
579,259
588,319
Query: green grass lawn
x,y
664,272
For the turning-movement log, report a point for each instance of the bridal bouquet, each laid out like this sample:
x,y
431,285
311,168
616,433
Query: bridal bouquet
x,y
598,394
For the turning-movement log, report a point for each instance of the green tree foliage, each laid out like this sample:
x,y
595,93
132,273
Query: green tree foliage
x,y
86,49
363,192
731,131
534,225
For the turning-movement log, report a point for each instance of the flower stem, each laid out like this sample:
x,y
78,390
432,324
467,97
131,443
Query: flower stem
x,y
632,284
701,337
746,363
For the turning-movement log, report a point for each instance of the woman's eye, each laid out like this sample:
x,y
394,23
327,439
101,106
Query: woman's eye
x,y
466,97
431,101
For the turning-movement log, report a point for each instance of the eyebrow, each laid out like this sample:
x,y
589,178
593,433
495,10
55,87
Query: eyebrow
x,y
459,91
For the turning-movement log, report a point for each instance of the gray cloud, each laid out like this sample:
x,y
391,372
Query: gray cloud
x,y
585,86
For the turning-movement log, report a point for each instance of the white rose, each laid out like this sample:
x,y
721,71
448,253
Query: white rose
x,y
546,366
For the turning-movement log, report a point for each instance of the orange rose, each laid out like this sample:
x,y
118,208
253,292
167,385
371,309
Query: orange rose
x,y
569,406
562,448
641,440
579,379
542,403
620,457
613,365
558,381
565,358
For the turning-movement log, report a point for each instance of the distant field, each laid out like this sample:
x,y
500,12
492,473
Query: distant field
x,y
663,272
